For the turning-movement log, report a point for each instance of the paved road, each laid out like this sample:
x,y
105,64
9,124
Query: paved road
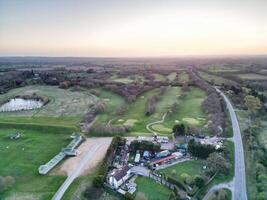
x,y
218,187
239,181
76,172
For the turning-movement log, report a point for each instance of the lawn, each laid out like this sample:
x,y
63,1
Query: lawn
x,y
151,189
189,109
191,167
136,111
21,159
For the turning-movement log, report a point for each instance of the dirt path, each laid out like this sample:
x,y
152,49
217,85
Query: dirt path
x,y
156,122
71,163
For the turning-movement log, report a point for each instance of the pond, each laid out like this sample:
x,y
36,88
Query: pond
x,y
17,104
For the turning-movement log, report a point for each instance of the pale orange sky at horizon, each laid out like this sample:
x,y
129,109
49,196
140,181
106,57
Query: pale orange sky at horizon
x,y
132,29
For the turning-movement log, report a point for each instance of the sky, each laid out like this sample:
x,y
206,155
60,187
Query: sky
x,y
132,28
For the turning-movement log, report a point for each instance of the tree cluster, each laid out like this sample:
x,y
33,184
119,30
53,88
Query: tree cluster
x,y
109,130
213,105
200,150
144,145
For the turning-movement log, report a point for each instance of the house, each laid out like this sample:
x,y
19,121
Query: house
x,y
182,148
163,154
146,154
118,177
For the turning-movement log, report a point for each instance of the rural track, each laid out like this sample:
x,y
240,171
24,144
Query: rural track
x,y
77,171
238,184
156,122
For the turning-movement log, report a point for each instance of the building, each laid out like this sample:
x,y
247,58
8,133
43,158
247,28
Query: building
x,y
118,177
137,158
163,154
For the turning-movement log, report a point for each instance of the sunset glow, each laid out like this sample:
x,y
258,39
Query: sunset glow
x,y
120,28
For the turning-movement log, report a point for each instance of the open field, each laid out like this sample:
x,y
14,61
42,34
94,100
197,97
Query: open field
x,y
64,108
215,79
159,77
152,190
189,109
183,77
21,159
113,102
172,76
128,79
251,76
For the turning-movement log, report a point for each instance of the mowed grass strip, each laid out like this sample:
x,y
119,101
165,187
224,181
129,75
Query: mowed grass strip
x,y
21,158
191,167
151,189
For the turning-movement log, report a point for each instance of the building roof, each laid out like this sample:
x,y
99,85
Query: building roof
x,y
121,173
164,159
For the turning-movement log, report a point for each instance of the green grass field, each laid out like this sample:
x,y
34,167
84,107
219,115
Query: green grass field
x,y
113,101
252,76
189,109
191,167
65,108
183,77
128,79
159,77
215,79
21,159
152,190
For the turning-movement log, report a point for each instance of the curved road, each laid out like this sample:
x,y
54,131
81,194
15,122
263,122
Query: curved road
x,y
239,189
76,172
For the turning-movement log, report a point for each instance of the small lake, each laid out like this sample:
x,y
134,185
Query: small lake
x,y
18,104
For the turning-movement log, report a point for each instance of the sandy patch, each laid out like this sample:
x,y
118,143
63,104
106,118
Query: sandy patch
x,y
72,162
130,122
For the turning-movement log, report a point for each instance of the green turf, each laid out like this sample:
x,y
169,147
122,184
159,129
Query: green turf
x,y
192,167
21,159
113,102
189,108
151,189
